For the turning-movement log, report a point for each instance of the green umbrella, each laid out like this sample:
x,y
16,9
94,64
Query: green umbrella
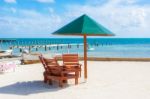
x,y
84,26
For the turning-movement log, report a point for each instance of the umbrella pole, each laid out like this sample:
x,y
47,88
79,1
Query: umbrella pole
x,y
85,57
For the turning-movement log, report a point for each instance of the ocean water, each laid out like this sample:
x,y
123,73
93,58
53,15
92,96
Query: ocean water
x,y
97,47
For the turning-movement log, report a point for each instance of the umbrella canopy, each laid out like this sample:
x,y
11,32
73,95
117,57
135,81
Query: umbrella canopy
x,y
84,26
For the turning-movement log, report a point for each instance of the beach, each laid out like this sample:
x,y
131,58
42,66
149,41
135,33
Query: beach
x,y
106,80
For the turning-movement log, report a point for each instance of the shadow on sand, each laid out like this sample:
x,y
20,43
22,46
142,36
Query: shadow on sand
x,y
30,87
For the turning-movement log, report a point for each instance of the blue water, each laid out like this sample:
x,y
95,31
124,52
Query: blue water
x,y
100,47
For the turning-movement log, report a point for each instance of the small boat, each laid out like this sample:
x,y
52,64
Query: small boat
x,y
90,48
6,53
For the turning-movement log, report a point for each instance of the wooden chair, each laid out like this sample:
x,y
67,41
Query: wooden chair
x,y
55,72
71,61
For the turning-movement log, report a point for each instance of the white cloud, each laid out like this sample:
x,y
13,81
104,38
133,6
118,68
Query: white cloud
x,y
29,24
94,2
51,10
46,1
123,17
10,1
13,10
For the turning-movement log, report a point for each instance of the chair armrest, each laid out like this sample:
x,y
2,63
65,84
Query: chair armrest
x,y
67,71
55,68
76,64
79,64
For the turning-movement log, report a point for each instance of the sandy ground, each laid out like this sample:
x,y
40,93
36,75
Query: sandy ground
x,y
106,80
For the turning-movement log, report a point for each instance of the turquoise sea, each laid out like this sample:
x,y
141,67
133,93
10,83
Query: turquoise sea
x,y
97,47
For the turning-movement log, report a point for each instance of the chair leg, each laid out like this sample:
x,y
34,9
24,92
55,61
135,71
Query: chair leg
x,y
60,83
50,81
76,81
65,81
80,73
45,79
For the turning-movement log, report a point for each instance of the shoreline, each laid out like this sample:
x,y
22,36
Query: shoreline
x,y
89,59
96,59
112,59
117,59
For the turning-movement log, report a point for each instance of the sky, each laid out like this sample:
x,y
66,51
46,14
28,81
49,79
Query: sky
x,y
39,18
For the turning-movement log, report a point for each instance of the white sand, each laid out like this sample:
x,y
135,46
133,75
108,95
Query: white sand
x,y
106,80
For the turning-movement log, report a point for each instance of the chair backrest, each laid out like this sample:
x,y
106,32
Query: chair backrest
x,y
50,65
70,59
43,62
51,62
